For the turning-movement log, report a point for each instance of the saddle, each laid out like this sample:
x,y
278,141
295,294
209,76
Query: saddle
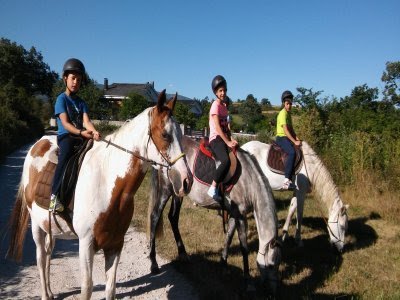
x,y
70,177
277,157
204,167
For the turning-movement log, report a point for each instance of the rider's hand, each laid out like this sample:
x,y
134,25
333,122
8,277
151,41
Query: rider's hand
x,y
96,135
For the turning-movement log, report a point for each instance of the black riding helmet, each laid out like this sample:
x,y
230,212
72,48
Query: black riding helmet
x,y
287,94
217,82
73,65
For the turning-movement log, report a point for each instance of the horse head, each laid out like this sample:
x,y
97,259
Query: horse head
x,y
166,135
337,227
268,264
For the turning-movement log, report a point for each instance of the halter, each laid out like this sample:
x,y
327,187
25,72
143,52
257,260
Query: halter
x,y
169,163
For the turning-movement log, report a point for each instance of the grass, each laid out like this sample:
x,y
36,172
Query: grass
x,y
368,269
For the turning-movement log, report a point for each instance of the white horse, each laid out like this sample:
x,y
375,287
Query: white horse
x,y
315,175
103,201
251,193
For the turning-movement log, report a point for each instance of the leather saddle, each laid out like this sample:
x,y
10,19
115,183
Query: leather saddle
x,y
277,157
70,177
204,167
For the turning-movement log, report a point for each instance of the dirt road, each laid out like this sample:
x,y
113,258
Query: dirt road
x,y
21,281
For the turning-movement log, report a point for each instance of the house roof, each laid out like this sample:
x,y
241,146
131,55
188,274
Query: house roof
x,y
120,91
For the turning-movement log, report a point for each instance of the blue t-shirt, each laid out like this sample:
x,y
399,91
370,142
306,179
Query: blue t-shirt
x,y
74,108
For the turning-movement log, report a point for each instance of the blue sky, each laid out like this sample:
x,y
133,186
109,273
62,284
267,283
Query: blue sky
x,y
261,47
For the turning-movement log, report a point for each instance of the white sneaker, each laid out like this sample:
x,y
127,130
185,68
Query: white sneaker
x,y
288,185
212,191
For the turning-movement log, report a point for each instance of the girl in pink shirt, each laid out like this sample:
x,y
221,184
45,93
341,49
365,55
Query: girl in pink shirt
x,y
219,138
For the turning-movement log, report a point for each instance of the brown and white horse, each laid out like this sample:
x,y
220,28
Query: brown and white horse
x,y
103,200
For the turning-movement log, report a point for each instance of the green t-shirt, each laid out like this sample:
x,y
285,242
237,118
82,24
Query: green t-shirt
x,y
284,118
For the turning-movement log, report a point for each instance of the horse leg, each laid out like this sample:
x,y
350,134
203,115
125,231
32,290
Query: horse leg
x,y
50,243
42,257
292,209
300,208
154,219
173,217
241,225
228,239
111,263
86,254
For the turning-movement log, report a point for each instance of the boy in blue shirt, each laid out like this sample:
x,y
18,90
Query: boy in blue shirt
x,y
73,124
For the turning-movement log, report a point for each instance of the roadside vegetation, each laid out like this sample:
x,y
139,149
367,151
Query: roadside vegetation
x,y
356,136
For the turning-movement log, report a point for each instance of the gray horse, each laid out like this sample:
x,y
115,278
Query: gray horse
x,y
250,193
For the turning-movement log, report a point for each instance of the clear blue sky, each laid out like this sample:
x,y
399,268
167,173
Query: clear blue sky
x,y
262,47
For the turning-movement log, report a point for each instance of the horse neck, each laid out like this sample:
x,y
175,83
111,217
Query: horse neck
x,y
323,185
254,187
133,135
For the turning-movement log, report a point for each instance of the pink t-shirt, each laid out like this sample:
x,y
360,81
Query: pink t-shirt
x,y
222,112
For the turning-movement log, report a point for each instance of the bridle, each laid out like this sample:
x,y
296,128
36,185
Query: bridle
x,y
338,240
168,163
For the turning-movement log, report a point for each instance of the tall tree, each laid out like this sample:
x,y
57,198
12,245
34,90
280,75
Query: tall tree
x,y
391,78
250,111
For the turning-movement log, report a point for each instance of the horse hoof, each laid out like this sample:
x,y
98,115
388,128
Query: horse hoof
x,y
223,262
183,257
299,243
155,270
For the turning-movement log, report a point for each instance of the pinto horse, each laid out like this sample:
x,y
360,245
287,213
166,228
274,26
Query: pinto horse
x,y
313,174
249,194
103,198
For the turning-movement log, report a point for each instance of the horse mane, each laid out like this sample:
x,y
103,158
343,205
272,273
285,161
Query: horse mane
x,y
324,187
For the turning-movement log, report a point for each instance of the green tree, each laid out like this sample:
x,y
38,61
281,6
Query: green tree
x,y
265,104
308,99
391,78
183,114
250,111
202,122
132,105
25,69
23,76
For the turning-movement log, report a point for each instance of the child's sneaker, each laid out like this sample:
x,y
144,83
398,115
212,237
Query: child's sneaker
x,y
213,193
55,204
288,185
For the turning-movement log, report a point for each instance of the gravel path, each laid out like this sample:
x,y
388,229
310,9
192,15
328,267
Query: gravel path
x,y
21,281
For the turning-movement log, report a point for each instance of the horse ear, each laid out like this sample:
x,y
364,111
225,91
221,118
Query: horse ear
x,y
161,100
172,102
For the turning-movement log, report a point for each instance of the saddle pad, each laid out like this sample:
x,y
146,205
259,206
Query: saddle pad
x,y
204,169
277,157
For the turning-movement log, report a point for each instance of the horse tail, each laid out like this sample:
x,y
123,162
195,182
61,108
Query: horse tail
x,y
18,225
154,205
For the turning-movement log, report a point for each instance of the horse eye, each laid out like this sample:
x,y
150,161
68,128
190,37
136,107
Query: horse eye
x,y
166,136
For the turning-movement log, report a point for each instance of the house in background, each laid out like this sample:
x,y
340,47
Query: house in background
x,y
116,93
